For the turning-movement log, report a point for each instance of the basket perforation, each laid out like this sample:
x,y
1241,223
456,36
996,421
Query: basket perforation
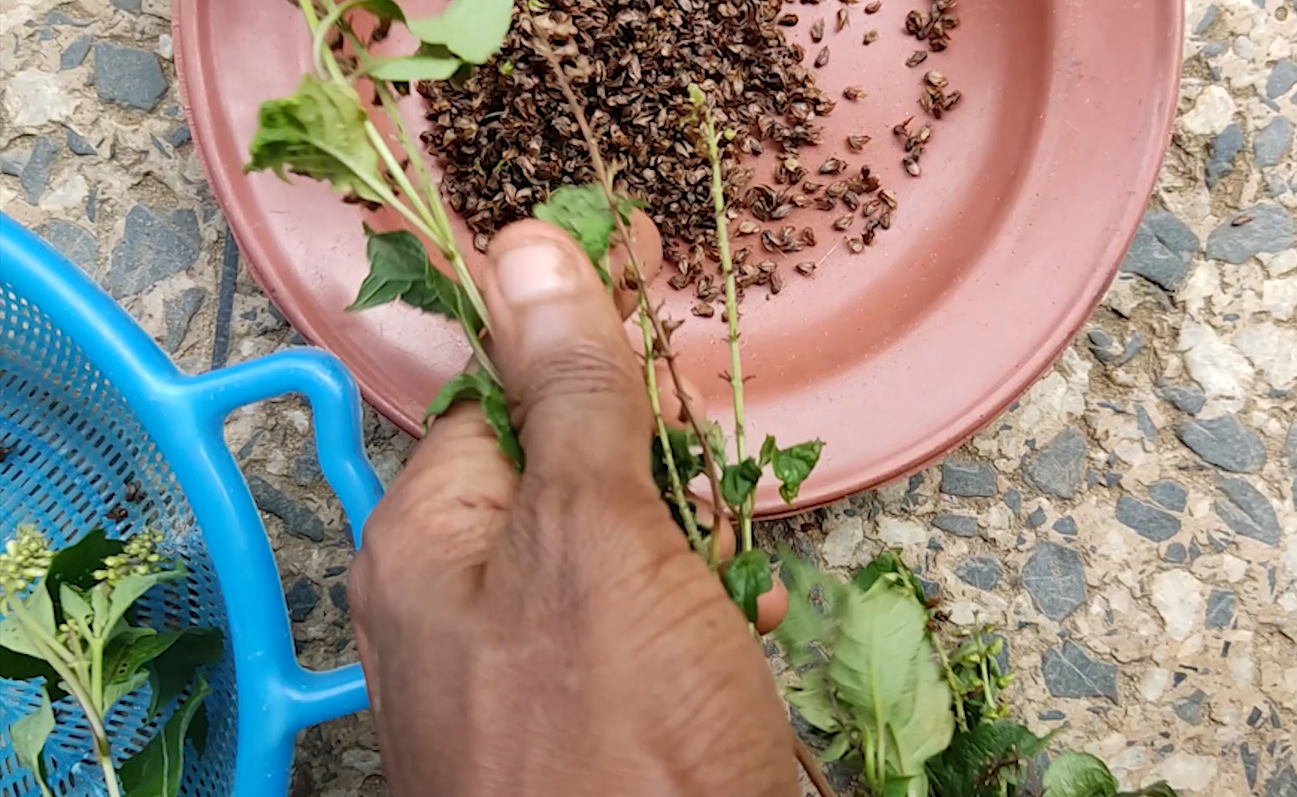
x,y
74,444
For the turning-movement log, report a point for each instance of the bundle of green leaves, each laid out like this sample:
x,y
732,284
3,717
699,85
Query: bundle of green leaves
x,y
875,680
69,620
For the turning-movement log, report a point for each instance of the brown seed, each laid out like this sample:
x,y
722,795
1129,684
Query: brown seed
x,y
889,197
703,310
836,190
787,20
116,513
935,79
951,100
950,21
885,220
801,201
857,143
826,203
925,134
134,493
817,31
833,166
749,228
766,266
805,269
808,236
911,163
873,7
781,212
844,222
741,256
810,186
856,245
915,22
916,58
854,93
844,18
902,130
776,283
852,200
822,60
868,237
871,36
679,281
1240,221
769,242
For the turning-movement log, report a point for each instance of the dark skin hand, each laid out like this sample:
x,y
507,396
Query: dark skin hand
x,y
553,633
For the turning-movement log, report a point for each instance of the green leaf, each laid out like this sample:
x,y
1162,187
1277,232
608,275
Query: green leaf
x,y
746,578
810,628
397,263
75,606
172,670
431,62
890,564
911,786
496,410
130,589
155,771
198,731
688,464
837,748
76,564
1078,775
979,761
118,689
466,386
882,670
716,441
768,450
319,132
472,29
15,635
28,736
583,213
811,699
383,9
739,481
793,465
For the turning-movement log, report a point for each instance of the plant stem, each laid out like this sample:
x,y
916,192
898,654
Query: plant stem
x,y
38,635
636,270
97,673
668,456
956,688
106,764
731,310
812,767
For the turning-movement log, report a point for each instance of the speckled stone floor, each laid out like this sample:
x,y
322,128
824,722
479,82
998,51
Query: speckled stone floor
x,y
1132,521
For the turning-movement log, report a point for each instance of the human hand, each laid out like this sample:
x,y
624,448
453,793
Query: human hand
x,y
553,633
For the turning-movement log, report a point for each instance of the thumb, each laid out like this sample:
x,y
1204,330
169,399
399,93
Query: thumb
x,y
576,386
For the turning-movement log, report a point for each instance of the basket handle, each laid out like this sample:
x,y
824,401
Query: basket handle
x,y
310,697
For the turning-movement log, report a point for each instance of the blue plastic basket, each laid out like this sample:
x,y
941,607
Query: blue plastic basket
x,y
89,403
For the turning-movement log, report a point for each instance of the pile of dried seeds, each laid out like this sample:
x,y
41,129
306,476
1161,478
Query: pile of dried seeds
x,y
505,137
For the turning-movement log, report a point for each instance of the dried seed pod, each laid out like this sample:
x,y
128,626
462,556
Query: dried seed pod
x,y
822,60
749,228
854,93
874,7
826,203
776,283
911,163
703,310
817,31
869,234
833,166
844,18
810,186
117,513
857,143
852,200
902,130
787,20
679,281
870,37
950,100
889,197
836,190
742,255
856,245
915,22
949,21
808,236
769,242
937,43
766,266
481,241
844,222
885,220
935,79
917,57
800,201
924,135
781,212
806,268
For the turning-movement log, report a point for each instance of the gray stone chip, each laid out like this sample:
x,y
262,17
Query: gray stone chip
x,y
1247,511
1190,708
178,312
1072,674
1282,78
73,242
1272,143
36,172
298,520
958,525
1185,399
968,479
301,598
1290,446
982,572
1055,578
1220,608
1283,784
1066,526
1145,520
1169,494
1270,229
75,52
1059,468
154,247
128,76
1224,149
1224,442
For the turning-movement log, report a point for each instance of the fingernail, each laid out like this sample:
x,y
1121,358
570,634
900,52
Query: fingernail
x,y
534,272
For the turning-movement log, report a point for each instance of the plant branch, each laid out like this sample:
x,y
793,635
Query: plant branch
x,y
636,269
731,307
812,767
